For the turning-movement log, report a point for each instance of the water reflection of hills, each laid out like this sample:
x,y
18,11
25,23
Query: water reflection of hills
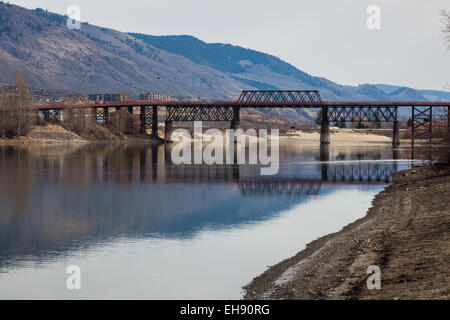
x,y
57,198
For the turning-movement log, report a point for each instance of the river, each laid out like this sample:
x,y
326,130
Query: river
x,y
140,227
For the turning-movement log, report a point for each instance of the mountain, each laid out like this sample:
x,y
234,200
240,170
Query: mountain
x,y
407,94
267,72
96,59
422,95
256,69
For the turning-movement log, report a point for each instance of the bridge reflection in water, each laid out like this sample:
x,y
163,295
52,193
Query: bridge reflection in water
x,y
57,199
152,164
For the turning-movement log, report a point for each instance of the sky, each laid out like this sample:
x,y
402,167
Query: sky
x,y
326,38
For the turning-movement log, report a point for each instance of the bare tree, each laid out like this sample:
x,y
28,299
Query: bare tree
x,y
124,122
23,99
16,117
446,30
77,119
445,134
446,26
3,101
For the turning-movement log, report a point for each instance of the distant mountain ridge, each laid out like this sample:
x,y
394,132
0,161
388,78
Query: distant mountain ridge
x,y
223,57
243,64
428,95
96,59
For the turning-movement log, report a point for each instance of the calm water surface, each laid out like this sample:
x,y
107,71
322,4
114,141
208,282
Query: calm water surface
x,y
140,227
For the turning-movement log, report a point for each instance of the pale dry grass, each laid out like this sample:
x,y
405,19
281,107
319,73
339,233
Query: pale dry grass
x,y
338,137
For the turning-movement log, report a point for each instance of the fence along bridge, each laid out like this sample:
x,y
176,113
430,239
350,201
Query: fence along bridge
x,y
423,114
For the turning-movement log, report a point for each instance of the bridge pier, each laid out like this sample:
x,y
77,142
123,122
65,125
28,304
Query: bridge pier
x,y
102,115
143,118
168,131
52,115
396,135
149,116
236,121
155,122
324,127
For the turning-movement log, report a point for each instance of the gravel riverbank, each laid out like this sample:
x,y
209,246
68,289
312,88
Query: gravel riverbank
x,y
406,233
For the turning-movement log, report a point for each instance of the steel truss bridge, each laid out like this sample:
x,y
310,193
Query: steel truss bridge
x,y
425,115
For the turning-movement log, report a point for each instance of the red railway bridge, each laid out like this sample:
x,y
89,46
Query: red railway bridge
x,y
423,114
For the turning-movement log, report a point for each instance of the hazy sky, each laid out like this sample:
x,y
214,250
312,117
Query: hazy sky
x,y
326,38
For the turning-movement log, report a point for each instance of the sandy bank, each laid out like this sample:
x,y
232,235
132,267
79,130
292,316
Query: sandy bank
x,y
341,137
56,134
406,233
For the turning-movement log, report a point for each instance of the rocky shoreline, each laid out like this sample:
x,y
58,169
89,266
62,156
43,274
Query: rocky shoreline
x,y
406,234
57,134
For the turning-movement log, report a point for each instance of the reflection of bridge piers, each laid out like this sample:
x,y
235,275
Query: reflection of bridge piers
x,y
152,164
324,127
127,166
324,158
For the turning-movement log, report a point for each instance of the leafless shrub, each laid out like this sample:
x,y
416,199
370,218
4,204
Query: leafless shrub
x,y
443,155
77,120
124,122
16,117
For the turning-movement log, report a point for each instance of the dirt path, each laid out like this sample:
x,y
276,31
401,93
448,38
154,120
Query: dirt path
x,y
406,233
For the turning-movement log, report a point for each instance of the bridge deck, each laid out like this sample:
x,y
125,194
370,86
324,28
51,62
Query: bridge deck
x,y
181,104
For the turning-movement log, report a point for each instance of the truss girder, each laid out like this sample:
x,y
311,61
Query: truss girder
x,y
148,117
285,96
362,114
52,115
422,124
200,113
102,115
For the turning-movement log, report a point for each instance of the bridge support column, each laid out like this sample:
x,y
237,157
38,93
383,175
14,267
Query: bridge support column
x,y
396,135
235,124
46,115
324,127
155,122
168,131
236,121
143,119
105,114
52,115
130,110
38,118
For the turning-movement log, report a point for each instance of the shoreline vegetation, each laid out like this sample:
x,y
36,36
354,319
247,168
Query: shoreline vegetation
x,y
59,133
405,233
